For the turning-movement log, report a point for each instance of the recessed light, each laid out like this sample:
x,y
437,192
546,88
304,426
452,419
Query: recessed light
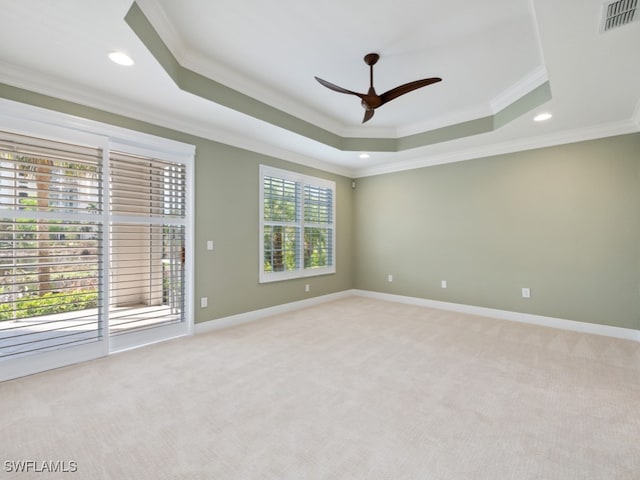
x,y
121,58
364,156
541,117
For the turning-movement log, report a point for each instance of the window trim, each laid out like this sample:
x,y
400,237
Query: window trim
x,y
301,271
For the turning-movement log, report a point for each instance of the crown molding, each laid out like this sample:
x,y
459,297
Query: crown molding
x,y
519,89
519,145
444,121
192,60
14,111
63,90
81,95
524,86
211,90
163,25
243,84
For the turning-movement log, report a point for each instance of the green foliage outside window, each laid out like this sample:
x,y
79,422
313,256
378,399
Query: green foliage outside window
x,y
48,304
317,247
282,240
29,288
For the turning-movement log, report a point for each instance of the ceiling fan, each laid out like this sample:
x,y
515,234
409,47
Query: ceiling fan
x,y
371,100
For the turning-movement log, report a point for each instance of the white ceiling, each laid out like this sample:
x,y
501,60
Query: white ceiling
x,y
488,53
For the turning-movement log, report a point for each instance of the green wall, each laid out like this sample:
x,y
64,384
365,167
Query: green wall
x,y
563,221
227,204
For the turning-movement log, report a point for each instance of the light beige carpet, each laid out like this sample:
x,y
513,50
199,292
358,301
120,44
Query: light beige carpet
x,y
352,389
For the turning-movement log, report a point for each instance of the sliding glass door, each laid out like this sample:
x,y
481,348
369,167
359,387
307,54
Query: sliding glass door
x,y
94,250
147,233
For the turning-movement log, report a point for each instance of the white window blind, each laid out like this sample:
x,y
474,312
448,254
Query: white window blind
x,y
281,204
95,236
318,226
297,224
147,238
53,233
50,244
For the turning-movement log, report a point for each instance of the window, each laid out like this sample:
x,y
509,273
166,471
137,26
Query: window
x,y
297,224
95,235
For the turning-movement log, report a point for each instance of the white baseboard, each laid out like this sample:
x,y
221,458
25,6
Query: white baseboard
x,y
584,327
561,323
239,319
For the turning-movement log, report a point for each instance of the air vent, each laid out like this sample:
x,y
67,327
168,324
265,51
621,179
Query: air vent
x,y
617,14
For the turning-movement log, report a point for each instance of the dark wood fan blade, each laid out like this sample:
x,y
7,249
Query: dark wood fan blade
x,y
406,88
367,115
336,88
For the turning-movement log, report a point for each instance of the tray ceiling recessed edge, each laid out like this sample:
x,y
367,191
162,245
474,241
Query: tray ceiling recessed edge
x,y
207,88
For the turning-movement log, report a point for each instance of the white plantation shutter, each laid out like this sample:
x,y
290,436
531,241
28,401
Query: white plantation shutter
x,y
147,237
318,226
95,229
53,233
281,231
297,223
50,244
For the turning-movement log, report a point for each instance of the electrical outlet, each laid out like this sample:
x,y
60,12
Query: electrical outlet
x,y
389,278
443,283
307,287
204,302
526,293
209,244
